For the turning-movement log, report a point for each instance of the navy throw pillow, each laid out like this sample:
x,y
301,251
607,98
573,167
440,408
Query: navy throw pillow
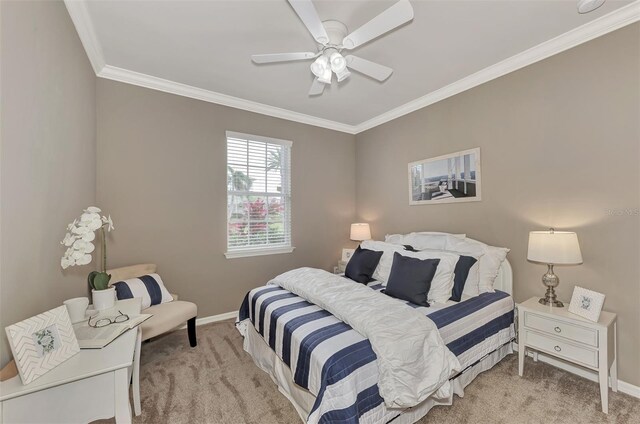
x,y
410,278
362,264
461,273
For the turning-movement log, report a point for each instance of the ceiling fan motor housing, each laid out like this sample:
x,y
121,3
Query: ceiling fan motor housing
x,y
336,31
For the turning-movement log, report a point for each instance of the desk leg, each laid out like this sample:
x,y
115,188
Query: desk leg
x,y
136,376
121,387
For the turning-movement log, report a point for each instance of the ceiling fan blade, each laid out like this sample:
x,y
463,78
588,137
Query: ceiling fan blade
x,y
316,88
282,57
368,68
307,13
393,17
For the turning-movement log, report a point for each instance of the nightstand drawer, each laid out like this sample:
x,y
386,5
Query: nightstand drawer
x,y
562,349
561,329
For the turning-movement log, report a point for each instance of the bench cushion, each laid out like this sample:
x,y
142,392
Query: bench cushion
x,y
167,316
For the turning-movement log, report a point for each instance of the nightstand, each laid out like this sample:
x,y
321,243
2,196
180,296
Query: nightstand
x,y
559,333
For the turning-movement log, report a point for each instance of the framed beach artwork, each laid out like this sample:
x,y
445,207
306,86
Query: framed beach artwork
x,y
41,343
446,179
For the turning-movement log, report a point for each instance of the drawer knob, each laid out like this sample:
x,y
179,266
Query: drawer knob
x,y
557,348
558,330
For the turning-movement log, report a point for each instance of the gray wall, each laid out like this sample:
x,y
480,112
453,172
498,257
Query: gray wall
x,y
162,177
47,168
559,147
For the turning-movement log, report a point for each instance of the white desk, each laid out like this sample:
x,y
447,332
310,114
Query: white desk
x,y
92,385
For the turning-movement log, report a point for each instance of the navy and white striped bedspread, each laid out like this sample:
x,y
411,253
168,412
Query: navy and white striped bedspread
x,y
338,365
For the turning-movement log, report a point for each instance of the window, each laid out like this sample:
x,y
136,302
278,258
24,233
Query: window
x,y
258,195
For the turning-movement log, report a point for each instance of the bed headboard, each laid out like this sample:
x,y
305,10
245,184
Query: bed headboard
x,y
504,280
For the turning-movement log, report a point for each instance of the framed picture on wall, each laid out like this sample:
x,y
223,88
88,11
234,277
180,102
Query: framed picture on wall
x,y
446,179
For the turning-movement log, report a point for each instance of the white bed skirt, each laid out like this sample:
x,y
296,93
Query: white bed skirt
x,y
303,400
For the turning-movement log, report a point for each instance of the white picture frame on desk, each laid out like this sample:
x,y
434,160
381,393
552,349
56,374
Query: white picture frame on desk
x,y
586,303
41,343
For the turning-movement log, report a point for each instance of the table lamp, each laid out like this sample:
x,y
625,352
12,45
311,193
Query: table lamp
x,y
553,248
360,231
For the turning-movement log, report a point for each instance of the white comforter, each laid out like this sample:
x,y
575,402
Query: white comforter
x,y
413,361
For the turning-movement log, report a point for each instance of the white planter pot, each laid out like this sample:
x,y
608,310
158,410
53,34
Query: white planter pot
x,y
104,299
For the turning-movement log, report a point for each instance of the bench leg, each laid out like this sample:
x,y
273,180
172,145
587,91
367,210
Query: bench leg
x,y
191,329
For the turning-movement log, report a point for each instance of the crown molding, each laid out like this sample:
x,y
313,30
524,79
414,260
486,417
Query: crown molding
x,y
605,24
84,27
155,83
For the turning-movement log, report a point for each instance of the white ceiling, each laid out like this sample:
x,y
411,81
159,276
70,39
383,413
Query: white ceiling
x,y
207,44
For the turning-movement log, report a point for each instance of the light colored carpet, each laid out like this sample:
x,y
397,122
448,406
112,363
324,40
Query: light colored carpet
x,y
217,382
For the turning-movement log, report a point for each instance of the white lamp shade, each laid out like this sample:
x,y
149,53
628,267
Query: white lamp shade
x,y
554,247
360,231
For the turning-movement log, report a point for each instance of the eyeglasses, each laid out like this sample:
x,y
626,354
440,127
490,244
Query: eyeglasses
x,y
103,322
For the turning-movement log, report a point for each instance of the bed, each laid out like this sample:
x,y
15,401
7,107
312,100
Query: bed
x,y
329,371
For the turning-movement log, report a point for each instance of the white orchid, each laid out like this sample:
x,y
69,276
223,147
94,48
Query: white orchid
x,y
90,236
68,239
80,229
109,223
84,260
94,224
80,236
66,262
72,225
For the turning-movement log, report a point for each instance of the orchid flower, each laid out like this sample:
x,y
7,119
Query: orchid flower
x,y
81,234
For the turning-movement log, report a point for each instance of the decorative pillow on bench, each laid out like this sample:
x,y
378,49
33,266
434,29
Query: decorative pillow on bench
x,y
149,288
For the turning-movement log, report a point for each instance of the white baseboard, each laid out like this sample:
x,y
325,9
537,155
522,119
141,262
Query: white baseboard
x,y
623,386
214,318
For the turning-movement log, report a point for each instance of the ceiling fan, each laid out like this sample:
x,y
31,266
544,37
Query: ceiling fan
x,y
332,40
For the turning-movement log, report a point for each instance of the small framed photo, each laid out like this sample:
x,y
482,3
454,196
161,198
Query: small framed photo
x,y
586,303
41,343
346,254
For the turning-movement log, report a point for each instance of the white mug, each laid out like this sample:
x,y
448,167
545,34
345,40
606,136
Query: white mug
x,y
76,308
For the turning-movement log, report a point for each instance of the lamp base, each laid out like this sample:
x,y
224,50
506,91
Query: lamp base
x,y
550,280
548,301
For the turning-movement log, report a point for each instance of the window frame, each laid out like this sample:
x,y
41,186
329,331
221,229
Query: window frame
x,y
244,252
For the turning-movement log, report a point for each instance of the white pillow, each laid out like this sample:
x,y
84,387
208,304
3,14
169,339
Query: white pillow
x,y
472,283
394,238
386,260
491,259
442,282
423,240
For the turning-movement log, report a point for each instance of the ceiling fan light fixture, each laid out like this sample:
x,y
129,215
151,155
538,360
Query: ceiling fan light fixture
x,y
586,6
338,62
320,66
325,78
343,74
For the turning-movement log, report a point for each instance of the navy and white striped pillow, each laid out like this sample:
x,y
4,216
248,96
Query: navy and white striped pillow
x,y
149,288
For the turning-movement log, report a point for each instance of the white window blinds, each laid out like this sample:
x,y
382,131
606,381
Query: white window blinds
x,y
258,195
